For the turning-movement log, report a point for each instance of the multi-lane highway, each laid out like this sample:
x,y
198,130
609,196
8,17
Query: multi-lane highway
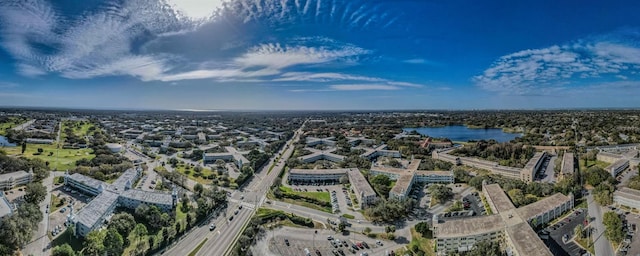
x,y
252,196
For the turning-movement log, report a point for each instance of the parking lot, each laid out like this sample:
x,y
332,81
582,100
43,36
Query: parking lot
x,y
631,244
565,228
58,217
294,241
15,195
340,200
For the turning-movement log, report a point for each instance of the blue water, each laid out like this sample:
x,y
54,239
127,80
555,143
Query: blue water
x,y
462,133
5,143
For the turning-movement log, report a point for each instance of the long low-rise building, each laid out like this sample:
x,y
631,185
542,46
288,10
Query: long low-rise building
x,y
510,226
14,179
232,154
568,165
406,177
109,196
526,174
317,155
617,167
627,197
373,153
361,188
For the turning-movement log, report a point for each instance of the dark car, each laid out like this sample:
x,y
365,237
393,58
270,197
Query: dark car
x,y
231,218
318,252
286,241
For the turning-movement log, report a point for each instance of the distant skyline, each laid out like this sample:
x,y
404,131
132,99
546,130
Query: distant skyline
x,y
319,54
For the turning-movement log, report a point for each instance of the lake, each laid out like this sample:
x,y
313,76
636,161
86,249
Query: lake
x,y
5,143
462,133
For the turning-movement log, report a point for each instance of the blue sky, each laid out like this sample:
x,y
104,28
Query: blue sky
x,y
320,54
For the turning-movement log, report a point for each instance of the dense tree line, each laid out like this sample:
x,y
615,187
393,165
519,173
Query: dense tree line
x,y
613,224
507,154
381,184
390,211
17,229
12,164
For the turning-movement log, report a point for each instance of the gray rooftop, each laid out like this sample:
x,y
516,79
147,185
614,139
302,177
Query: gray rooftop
x,y
568,163
499,198
318,171
148,196
526,241
357,179
92,212
86,180
545,205
5,207
628,193
470,226
129,175
534,160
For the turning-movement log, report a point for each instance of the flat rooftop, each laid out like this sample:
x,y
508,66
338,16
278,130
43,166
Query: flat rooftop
x,y
127,176
568,163
318,171
526,241
357,179
628,193
92,212
607,154
499,198
86,180
545,205
617,164
534,160
148,196
434,173
470,226
403,184
5,207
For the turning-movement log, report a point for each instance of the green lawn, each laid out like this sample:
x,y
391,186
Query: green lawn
x,y
61,159
56,204
600,164
200,179
13,122
425,245
80,128
67,238
320,196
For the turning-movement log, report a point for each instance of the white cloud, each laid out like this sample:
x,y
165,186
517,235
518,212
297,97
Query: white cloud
x,y
415,61
323,77
196,9
544,70
276,56
362,87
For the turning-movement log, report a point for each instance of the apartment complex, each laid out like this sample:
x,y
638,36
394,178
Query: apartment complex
x,y
14,179
110,196
361,188
373,153
322,155
620,157
627,197
508,225
232,154
526,174
406,177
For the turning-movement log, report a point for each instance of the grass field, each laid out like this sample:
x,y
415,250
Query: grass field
x,y
61,159
56,204
425,245
593,163
80,128
320,196
13,122
67,238
200,179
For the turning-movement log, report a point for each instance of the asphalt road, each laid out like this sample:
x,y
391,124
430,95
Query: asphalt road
x,y
40,243
252,195
602,244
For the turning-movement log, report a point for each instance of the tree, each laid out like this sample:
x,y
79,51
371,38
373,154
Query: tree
x,y
367,230
198,189
441,193
382,185
123,223
219,163
63,250
596,175
613,225
578,230
93,243
140,231
113,242
35,192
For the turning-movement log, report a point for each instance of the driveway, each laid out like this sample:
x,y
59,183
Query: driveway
x,y
602,244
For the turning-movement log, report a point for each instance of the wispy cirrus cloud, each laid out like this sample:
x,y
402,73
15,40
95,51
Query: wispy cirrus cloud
x,y
542,71
363,87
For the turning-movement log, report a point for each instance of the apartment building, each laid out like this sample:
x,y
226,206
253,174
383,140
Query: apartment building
x,y
627,197
405,177
359,184
508,225
232,155
14,179
568,165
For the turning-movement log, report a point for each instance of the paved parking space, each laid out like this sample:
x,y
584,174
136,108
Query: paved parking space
x,y
566,227
15,194
58,218
633,247
299,239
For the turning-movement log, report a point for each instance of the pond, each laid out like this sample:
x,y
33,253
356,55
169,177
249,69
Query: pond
x,y
5,143
463,133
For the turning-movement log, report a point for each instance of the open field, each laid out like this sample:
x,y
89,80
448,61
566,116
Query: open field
x,y
61,159
424,244
79,128
13,122
192,174
320,196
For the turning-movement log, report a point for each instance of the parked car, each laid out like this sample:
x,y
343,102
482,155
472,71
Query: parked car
x,y
286,241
